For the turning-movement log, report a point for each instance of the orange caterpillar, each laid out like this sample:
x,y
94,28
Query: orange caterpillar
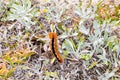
x,y
54,46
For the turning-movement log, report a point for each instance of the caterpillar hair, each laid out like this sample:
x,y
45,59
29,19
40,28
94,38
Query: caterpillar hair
x,y
54,46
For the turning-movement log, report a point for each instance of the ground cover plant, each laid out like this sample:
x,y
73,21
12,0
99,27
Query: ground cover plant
x,y
88,33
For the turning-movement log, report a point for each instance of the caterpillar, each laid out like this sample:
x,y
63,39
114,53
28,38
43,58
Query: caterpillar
x,y
54,46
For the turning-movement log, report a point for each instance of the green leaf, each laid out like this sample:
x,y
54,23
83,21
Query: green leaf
x,y
10,72
93,64
85,56
22,12
51,74
69,45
